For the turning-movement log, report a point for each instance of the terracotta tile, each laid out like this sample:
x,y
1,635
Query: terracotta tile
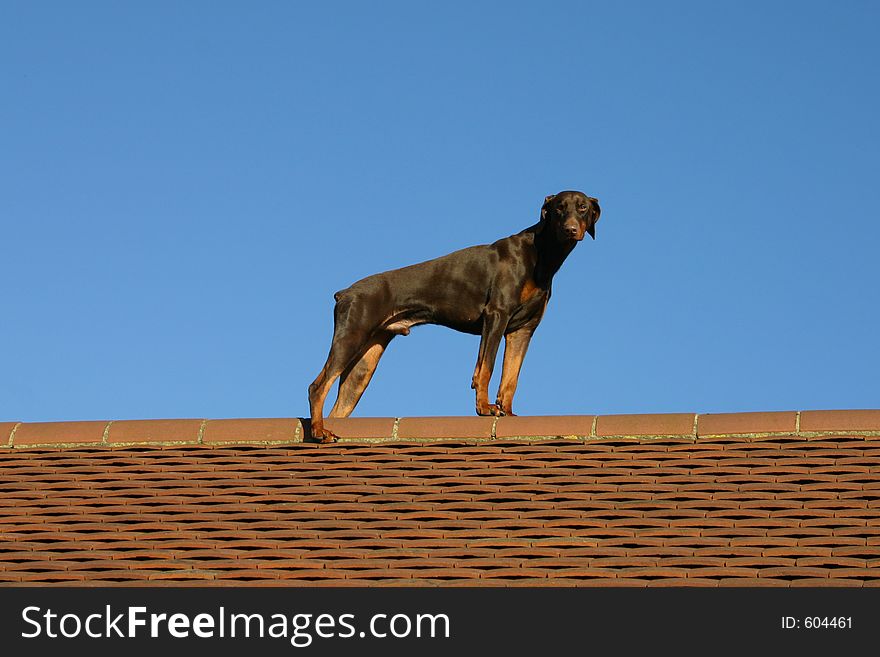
x,y
861,573
50,433
760,561
683,581
545,426
512,574
450,573
426,428
859,420
797,571
52,577
6,432
616,582
154,431
733,423
859,551
464,582
829,582
833,562
752,582
360,428
251,430
671,424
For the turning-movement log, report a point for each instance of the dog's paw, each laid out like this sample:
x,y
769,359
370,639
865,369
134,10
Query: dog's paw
x,y
326,437
505,409
491,410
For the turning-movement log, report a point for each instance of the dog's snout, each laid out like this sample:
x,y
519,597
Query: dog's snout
x,y
571,229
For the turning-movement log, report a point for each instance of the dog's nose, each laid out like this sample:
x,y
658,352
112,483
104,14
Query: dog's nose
x,y
571,231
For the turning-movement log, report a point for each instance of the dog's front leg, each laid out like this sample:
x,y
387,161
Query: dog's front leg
x,y
515,346
494,323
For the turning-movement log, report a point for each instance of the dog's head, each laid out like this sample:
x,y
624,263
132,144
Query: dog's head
x,y
570,215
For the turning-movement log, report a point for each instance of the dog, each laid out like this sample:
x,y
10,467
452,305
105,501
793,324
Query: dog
x,y
492,290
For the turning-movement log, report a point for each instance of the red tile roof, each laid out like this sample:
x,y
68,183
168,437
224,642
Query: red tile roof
x,y
760,499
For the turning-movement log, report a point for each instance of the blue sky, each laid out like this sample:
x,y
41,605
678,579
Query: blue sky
x,y
183,187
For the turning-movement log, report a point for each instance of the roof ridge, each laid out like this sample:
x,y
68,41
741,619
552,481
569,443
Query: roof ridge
x,y
276,431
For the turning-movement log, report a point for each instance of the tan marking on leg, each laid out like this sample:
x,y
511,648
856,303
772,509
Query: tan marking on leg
x,y
515,346
355,379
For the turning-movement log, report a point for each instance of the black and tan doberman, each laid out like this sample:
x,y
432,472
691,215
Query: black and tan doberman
x,y
492,290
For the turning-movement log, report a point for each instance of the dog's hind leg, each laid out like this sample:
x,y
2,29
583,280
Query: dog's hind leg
x,y
349,342
356,377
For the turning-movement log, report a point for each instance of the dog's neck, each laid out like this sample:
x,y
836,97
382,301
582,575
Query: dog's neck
x,y
549,255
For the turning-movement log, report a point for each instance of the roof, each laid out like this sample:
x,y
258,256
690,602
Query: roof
x,y
761,499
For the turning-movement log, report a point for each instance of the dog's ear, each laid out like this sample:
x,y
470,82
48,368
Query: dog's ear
x,y
547,201
595,211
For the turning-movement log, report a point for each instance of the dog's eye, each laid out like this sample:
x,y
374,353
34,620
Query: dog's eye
x,y
583,208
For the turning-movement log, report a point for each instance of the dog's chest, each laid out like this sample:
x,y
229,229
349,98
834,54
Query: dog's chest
x,y
530,291
532,303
